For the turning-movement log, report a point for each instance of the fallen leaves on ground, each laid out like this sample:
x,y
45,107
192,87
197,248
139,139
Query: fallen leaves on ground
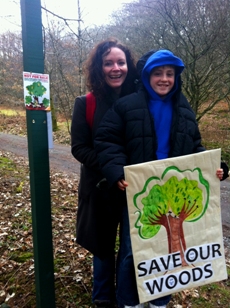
x,y
72,264
73,274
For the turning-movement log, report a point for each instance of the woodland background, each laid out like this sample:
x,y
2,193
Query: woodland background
x,y
197,31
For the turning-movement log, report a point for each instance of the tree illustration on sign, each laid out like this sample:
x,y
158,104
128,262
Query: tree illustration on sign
x,y
33,101
170,205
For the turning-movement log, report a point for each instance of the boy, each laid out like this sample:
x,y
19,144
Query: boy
x,y
157,122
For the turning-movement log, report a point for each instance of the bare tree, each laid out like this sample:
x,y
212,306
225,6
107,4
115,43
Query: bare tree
x,y
197,31
11,69
67,45
62,67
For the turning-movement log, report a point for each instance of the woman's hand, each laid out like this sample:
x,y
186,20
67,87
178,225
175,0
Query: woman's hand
x,y
220,173
122,184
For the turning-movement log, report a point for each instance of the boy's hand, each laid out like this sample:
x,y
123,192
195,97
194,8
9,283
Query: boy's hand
x,y
220,173
122,184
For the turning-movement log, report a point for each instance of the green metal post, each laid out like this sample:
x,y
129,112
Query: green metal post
x,y
33,61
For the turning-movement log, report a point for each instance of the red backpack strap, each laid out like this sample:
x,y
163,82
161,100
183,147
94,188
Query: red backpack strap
x,y
90,108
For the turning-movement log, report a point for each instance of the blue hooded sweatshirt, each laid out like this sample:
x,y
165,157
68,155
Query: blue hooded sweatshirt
x,y
161,109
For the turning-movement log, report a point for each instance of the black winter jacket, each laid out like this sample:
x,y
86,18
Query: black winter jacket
x,y
127,136
98,210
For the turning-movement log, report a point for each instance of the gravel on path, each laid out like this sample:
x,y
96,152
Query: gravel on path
x,y
60,155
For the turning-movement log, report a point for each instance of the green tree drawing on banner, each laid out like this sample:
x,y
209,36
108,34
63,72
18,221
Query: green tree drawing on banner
x,y
170,205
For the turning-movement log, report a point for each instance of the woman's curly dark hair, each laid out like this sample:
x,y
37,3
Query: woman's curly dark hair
x,y
95,80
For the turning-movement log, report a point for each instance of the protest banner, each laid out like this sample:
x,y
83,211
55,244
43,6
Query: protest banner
x,y
175,223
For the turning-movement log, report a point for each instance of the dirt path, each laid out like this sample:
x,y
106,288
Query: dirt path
x,y
62,160
60,156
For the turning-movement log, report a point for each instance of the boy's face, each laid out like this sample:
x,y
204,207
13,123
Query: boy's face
x,y
162,79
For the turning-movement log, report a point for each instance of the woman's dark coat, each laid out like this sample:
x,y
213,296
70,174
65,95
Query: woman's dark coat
x,y
127,135
98,208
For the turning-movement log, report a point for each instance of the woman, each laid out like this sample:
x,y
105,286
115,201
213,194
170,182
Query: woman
x,y
110,74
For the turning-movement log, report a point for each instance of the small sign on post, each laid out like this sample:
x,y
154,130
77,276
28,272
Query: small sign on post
x,y
37,97
36,91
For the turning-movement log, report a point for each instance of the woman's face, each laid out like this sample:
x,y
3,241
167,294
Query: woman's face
x,y
114,67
